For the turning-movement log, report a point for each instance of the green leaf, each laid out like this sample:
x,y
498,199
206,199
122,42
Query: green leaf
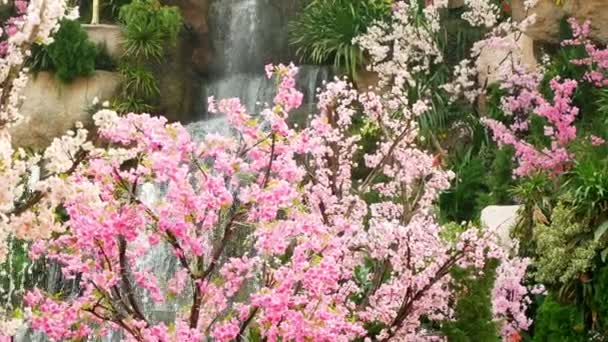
x,y
604,254
601,230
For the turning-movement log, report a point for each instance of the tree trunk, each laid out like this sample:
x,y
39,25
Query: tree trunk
x,y
95,16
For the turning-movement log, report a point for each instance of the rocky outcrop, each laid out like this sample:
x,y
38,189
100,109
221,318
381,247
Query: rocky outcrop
x,y
549,13
51,108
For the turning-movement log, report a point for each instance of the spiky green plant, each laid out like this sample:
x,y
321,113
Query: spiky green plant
x,y
325,31
149,27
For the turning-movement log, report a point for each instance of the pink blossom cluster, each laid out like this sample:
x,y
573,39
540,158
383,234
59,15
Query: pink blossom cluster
x,y
524,100
11,25
597,58
510,298
560,129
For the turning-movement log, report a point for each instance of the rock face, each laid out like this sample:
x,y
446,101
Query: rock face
x,y
500,219
178,81
549,14
51,107
108,35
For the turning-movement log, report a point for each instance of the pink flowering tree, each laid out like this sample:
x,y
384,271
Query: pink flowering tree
x,y
306,231
272,233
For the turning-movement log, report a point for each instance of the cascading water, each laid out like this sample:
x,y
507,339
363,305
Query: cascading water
x,y
246,35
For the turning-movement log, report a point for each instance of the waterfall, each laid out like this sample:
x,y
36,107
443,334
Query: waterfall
x,y
246,35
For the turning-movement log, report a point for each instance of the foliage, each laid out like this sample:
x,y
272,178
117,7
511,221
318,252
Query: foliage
x,y
325,30
459,203
556,321
103,60
131,104
138,81
40,60
563,250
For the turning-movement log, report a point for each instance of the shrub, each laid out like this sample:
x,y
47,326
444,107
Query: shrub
x,y
473,316
41,60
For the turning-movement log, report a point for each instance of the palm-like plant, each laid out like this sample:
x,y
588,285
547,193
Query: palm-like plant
x,y
149,28
324,32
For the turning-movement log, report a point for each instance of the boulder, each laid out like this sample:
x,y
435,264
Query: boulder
x,y
108,35
51,108
500,218
490,59
549,13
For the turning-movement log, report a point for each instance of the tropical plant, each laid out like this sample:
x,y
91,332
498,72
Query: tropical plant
x,y
138,81
324,31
